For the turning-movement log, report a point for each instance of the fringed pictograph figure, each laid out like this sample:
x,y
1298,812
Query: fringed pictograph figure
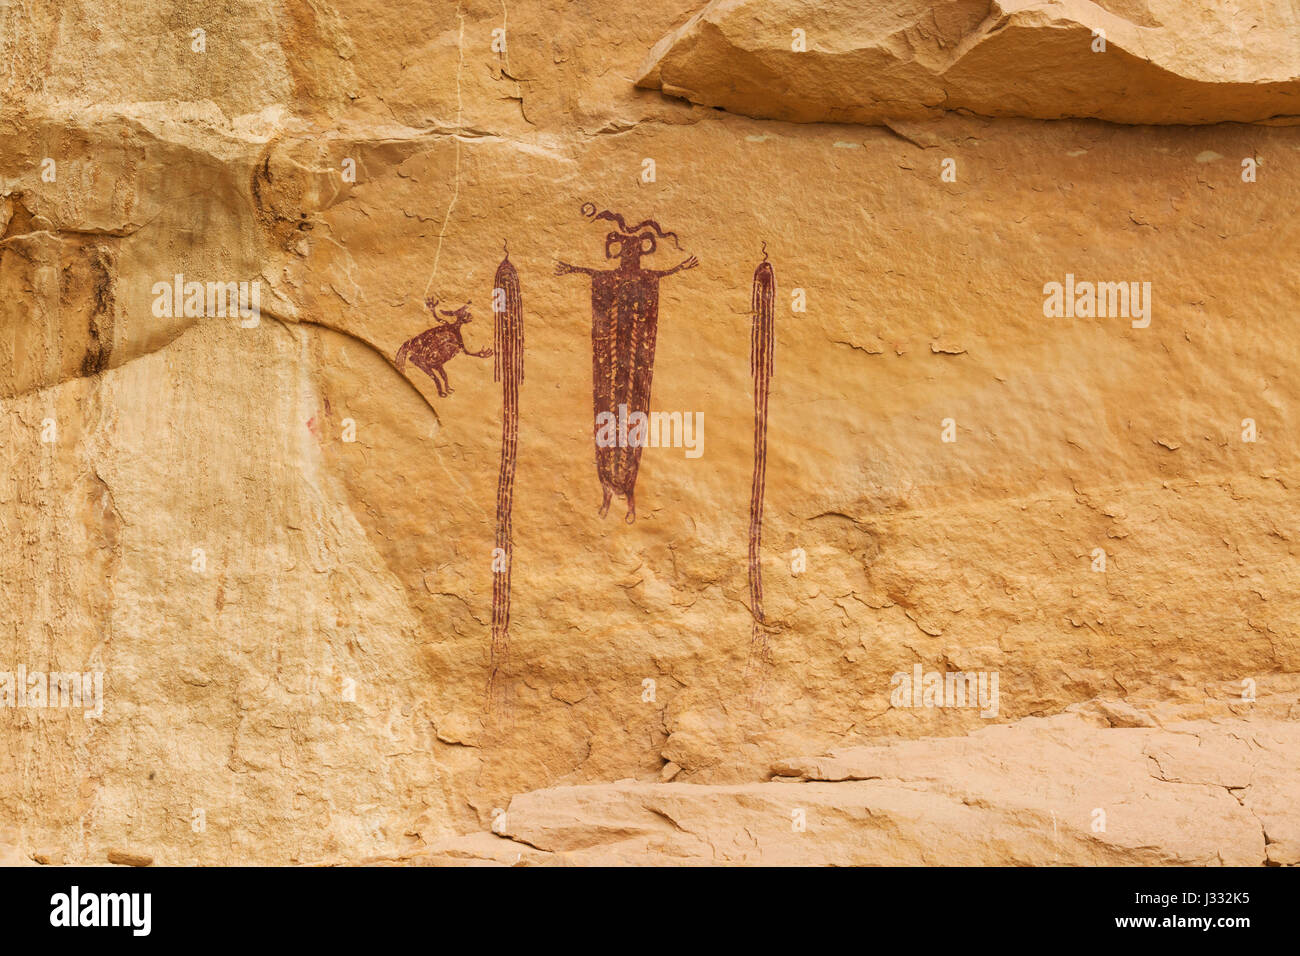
x,y
624,326
761,343
508,369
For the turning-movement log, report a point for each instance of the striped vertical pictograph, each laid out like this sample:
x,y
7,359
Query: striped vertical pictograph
x,y
508,369
761,344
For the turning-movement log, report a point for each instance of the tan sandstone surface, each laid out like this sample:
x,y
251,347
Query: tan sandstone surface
x,y
277,547
1198,792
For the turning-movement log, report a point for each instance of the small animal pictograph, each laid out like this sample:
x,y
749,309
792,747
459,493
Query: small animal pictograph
x,y
433,348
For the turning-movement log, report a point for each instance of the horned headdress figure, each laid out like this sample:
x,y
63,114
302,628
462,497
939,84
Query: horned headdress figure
x,y
624,325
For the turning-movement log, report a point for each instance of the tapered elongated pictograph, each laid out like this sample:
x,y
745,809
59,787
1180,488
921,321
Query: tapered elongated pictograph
x,y
624,327
761,344
508,369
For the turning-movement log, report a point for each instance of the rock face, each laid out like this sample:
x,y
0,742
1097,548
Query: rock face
x,y
1078,789
1128,61
280,554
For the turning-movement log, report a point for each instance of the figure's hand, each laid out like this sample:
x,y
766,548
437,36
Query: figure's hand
x,y
431,304
563,269
690,263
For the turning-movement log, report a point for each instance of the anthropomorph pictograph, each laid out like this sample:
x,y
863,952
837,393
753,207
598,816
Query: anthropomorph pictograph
x,y
508,369
624,325
433,348
761,342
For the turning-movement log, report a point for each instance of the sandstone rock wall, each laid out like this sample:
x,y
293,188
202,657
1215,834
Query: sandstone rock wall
x,y
294,627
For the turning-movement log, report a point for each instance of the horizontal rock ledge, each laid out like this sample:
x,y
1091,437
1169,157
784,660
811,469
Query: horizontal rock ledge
x,y
1157,62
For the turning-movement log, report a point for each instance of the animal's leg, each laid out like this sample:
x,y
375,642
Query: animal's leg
x,y
428,368
604,505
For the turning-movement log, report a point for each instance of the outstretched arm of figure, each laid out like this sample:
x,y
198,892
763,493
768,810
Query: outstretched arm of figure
x,y
563,269
690,263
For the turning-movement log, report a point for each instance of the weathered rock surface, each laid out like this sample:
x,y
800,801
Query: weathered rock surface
x,y
1064,790
293,626
1128,61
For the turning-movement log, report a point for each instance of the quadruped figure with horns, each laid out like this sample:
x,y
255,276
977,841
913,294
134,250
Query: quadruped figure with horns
x,y
624,326
432,349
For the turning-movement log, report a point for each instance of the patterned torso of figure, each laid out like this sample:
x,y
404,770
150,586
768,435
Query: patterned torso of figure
x,y
624,325
433,347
